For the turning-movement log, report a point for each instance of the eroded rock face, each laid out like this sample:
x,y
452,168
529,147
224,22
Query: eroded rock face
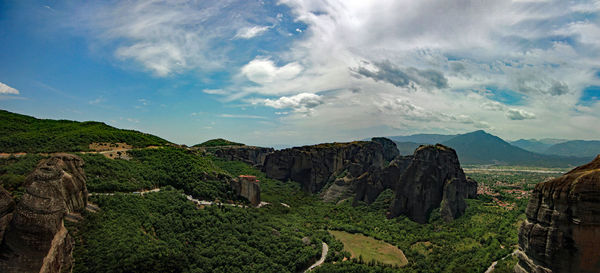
x,y
36,240
433,179
7,205
248,187
390,151
313,166
252,155
562,230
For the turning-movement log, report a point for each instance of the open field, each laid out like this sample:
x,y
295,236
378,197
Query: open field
x,y
370,249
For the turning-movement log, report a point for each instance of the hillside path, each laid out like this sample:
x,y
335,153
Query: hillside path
x,y
322,260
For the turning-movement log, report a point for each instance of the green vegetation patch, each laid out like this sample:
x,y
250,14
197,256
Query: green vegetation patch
x,y
22,133
367,249
164,232
218,142
150,168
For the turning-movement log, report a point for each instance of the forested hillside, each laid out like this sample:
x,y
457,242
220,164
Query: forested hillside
x,y
21,133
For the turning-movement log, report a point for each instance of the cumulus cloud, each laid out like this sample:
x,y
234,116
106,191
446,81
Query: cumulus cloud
x,y
518,114
401,77
264,70
492,106
301,103
5,89
250,32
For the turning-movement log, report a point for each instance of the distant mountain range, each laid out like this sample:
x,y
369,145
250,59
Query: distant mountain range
x,y
480,147
586,148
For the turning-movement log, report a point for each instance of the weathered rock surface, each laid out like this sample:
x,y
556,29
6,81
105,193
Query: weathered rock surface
x,y
250,154
562,230
313,166
471,188
7,205
390,151
36,240
433,179
247,186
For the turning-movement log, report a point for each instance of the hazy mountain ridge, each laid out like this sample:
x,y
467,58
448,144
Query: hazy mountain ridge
x,y
480,147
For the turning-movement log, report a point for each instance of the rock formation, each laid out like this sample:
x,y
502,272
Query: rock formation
x,y
313,166
390,151
562,229
429,179
7,205
250,154
247,186
36,239
433,179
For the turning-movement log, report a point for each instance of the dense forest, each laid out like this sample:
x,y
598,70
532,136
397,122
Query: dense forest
x,y
218,142
22,133
164,232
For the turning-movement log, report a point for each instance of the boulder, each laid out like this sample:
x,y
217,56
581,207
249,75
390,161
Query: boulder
x,y
36,240
433,179
562,229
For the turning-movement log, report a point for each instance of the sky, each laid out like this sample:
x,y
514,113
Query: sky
x,y
293,72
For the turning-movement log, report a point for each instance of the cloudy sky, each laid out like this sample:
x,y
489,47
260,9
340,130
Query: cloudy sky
x,y
302,71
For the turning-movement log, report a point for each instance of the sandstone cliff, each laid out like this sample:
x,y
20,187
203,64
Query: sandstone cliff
x,y
7,205
250,154
562,230
433,179
36,239
429,179
247,186
313,166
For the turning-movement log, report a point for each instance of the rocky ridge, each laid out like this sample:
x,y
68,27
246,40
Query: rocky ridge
x,y
250,154
430,178
36,239
562,229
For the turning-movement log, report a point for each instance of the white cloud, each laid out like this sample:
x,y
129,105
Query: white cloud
x,y
301,103
250,32
215,91
5,89
264,71
518,114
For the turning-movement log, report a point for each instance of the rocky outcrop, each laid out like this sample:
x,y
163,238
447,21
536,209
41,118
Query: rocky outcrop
x,y
390,151
433,179
247,186
471,188
7,205
313,166
250,154
36,240
562,229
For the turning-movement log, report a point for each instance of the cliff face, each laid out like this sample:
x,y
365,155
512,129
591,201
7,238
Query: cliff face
x,y
252,155
247,187
562,230
433,179
390,151
429,179
36,239
313,166
7,205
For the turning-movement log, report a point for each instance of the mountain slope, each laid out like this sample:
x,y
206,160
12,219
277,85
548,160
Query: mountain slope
x,y
480,147
423,138
532,145
21,133
589,148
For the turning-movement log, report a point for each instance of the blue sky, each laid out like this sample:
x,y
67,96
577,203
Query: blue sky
x,y
301,72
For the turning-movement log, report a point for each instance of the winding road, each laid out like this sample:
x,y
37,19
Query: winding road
x,y
322,260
